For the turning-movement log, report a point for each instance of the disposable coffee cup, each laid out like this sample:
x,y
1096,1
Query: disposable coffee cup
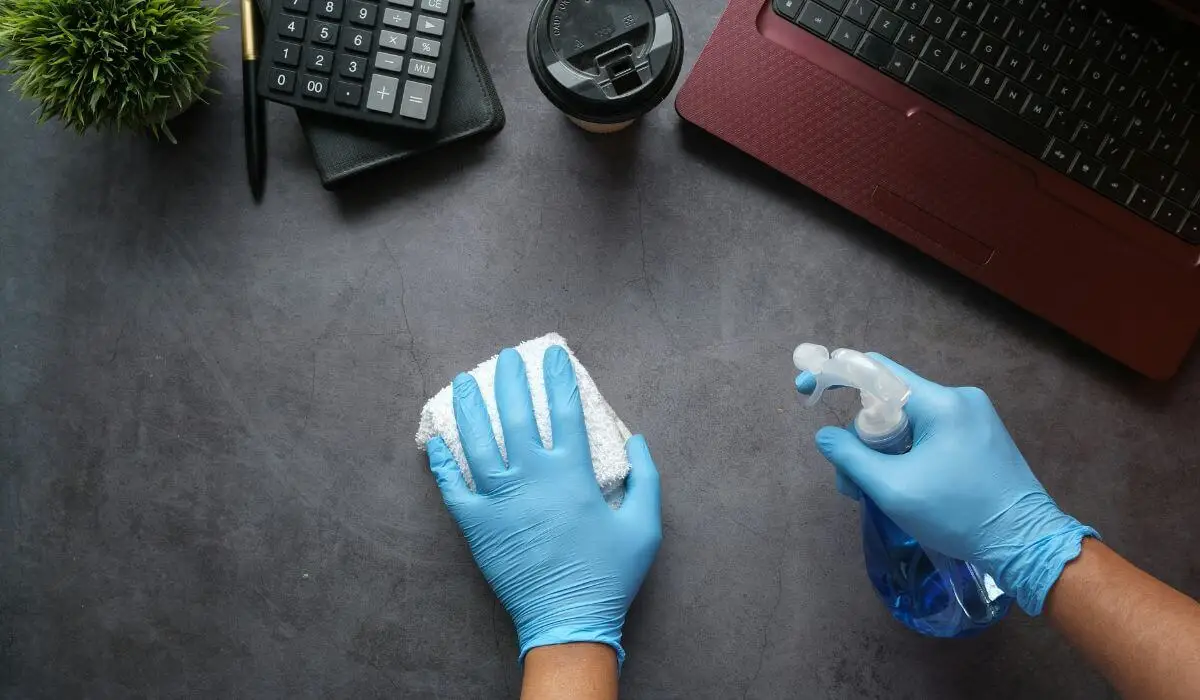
x,y
605,63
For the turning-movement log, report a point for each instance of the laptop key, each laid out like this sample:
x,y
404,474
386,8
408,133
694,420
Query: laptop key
x,y
1141,133
1046,49
1038,109
1149,172
962,68
875,50
971,10
964,35
912,38
846,35
1021,35
988,81
1183,190
978,109
1012,96
861,11
1115,153
886,24
1086,170
937,53
1190,231
817,19
900,64
1088,138
1166,147
1021,8
938,22
1169,215
1061,156
1144,202
785,8
1097,76
995,21
913,10
1014,63
1091,106
989,49
1065,92
1114,185
1039,78
1064,124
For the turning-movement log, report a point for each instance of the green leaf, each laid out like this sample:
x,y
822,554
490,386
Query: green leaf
x,y
98,63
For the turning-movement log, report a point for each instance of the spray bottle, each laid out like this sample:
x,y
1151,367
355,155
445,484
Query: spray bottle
x,y
926,591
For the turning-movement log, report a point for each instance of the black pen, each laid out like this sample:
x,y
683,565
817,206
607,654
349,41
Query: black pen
x,y
252,105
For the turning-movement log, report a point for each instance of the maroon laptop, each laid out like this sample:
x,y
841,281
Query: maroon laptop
x,y
1049,149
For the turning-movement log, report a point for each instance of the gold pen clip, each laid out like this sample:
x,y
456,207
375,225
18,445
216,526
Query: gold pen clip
x,y
249,33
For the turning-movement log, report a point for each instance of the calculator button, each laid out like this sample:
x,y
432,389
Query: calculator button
x,y
403,3
362,13
421,69
283,80
426,47
348,94
357,40
329,9
319,61
296,5
314,88
415,103
397,18
389,61
292,27
430,25
325,33
286,54
392,40
352,66
438,6
382,97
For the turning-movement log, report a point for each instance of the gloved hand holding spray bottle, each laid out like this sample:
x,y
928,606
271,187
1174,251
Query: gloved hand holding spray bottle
x,y
928,592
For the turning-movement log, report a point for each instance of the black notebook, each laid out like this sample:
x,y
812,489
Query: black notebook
x,y
343,148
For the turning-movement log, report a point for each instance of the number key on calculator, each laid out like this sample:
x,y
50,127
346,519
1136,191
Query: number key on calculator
x,y
383,61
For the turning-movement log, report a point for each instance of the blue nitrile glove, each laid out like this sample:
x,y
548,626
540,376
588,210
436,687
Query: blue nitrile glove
x,y
964,489
564,564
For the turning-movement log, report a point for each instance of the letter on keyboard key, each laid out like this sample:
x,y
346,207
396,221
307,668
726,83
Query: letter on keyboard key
x,y
979,110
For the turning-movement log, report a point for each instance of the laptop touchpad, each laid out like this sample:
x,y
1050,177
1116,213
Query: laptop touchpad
x,y
952,189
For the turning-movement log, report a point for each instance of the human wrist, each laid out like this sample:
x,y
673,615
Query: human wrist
x,y
530,637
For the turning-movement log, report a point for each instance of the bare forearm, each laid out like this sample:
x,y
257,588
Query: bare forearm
x,y
570,671
1140,633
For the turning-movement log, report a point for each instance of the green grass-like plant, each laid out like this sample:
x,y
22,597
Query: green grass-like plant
x,y
122,64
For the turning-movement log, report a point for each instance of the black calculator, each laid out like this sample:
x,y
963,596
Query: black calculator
x,y
383,61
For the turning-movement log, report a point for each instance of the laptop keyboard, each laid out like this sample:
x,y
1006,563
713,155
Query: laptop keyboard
x,y
1104,92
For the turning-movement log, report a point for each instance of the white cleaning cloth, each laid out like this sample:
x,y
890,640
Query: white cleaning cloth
x,y
606,433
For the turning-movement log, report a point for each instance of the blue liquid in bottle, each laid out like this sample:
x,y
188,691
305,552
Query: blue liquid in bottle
x,y
927,592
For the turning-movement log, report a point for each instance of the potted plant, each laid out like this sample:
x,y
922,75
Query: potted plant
x,y
121,64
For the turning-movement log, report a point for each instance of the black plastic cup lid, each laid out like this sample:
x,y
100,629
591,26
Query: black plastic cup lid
x,y
605,61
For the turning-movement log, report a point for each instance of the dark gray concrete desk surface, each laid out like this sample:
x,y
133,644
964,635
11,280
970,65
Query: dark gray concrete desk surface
x,y
209,484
